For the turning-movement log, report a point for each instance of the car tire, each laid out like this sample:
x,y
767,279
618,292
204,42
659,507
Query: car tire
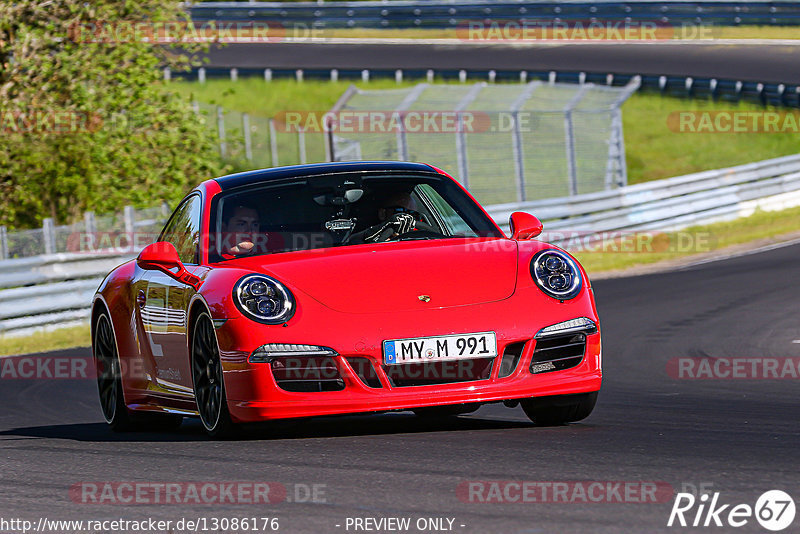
x,y
109,386
109,377
445,411
559,409
207,380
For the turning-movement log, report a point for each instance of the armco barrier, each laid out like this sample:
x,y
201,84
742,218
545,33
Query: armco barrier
x,y
449,14
57,289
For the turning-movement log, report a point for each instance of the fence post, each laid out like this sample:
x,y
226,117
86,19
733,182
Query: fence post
x,y
223,149
516,138
89,222
461,134
129,216
569,139
273,142
49,236
301,143
3,243
248,142
519,164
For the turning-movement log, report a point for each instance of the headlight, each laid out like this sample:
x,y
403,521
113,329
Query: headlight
x,y
263,299
556,274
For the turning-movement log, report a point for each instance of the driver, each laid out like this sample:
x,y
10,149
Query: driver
x,y
240,229
397,216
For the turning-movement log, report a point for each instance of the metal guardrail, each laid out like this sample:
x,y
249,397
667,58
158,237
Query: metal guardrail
x,y
452,14
670,204
772,94
50,290
55,290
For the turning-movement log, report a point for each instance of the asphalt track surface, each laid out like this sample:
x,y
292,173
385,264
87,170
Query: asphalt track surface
x,y
767,63
737,437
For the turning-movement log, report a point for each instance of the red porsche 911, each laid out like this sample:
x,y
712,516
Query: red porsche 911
x,y
342,288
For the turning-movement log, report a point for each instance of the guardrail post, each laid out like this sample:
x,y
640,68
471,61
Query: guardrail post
x,y
267,75
248,141
398,76
201,75
334,75
49,236
298,74
234,74
167,74
223,149
429,75
365,75
273,142
3,243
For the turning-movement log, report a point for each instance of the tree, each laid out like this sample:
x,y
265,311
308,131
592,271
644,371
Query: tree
x,y
86,122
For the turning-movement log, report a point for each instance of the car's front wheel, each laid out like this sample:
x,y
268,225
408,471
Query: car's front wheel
x,y
559,409
209,387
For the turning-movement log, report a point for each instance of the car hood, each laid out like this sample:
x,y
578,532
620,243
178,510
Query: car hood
x,y
398,276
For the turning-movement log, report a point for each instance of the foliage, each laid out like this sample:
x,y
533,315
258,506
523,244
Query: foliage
x,y
84,123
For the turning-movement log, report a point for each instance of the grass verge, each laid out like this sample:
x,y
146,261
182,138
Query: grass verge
x,y
62,338
690,241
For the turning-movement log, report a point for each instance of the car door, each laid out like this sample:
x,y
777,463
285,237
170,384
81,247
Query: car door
x,y
166,300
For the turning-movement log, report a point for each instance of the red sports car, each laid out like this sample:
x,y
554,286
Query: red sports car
x,y
342,288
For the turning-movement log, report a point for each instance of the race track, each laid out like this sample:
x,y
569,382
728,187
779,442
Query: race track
x,y
738,437
767,63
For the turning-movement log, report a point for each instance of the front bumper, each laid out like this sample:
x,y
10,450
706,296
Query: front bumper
x,y
254,394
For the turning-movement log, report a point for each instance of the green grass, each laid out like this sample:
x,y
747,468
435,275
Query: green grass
x,y
259,98
697,239
62,338
654,151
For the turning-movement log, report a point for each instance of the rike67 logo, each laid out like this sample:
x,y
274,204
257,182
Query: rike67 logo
x,y
774,510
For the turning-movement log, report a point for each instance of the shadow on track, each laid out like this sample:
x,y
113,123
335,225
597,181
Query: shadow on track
x,y
330,427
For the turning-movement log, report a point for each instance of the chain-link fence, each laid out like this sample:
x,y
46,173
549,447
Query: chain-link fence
x,y
253,141
505,143
126,231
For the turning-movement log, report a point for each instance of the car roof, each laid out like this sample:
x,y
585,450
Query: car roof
x,y
232,181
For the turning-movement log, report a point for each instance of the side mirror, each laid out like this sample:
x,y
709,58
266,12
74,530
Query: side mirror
x,y
162,256
524,225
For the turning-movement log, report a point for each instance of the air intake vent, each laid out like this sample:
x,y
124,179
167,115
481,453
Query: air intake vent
x,y
558,353
365,371
510,359
306,374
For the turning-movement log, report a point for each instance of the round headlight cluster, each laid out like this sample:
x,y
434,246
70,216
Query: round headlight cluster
x,y
264,299
556,274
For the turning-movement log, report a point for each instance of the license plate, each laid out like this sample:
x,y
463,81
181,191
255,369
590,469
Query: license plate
x,y
440,348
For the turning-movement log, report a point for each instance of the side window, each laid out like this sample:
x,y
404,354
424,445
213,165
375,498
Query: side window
x,y
454,224
183,230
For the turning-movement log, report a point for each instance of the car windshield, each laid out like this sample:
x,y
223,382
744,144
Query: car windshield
x,y
341,210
